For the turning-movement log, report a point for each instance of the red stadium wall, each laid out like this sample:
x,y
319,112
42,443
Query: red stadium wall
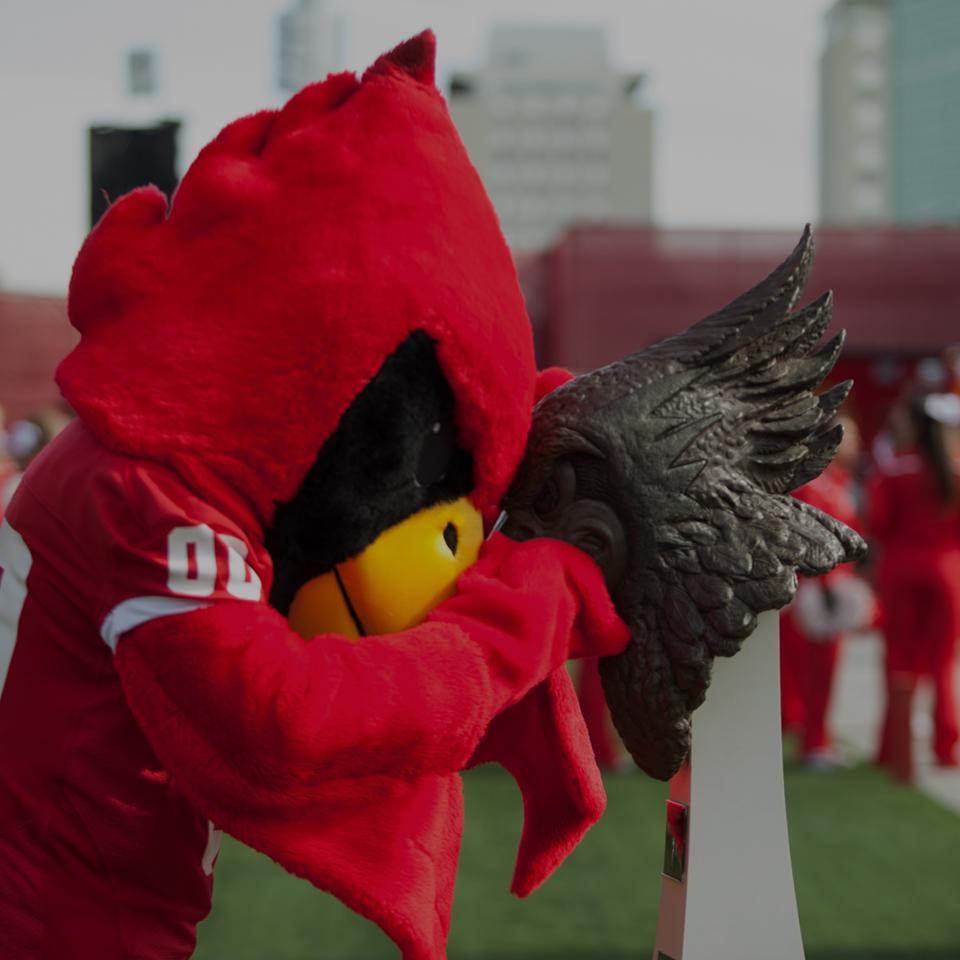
x,y
603,292
34,336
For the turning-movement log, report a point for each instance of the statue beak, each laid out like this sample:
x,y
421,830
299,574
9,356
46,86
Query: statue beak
x,y
397,580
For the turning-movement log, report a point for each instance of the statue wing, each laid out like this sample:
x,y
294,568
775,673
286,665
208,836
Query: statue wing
x,y
728,423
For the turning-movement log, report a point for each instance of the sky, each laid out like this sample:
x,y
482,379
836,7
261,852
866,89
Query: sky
x,y
733,84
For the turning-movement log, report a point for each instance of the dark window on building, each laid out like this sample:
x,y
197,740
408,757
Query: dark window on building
x,y
142,72
122,158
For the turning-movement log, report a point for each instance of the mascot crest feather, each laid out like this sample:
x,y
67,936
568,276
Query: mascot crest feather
x,y
317,236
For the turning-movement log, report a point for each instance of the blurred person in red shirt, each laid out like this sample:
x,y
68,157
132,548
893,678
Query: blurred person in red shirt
x,y
824,609
914,524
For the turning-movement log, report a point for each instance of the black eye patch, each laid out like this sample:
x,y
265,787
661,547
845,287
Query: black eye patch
x,y
436,453
394,452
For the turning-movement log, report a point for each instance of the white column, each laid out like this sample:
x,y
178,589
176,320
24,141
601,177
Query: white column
x,y
736,900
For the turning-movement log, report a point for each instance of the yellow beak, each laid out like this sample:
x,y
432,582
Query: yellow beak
x,y
396,581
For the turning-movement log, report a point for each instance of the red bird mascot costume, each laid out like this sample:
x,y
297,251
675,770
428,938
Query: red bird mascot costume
x,y
307,373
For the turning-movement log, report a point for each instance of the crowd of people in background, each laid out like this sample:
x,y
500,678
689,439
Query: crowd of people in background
x,y
905,499
903,496
913,510
21,441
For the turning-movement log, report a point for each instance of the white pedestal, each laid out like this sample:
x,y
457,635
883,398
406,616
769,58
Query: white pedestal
x,y
736,900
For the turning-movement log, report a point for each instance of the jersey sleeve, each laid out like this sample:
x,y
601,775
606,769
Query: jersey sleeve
x,y
166,551
338,759
182,601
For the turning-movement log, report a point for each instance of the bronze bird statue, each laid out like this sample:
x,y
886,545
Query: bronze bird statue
x,y
673,469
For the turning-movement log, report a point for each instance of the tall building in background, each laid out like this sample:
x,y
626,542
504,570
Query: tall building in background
x,y
140,144
557,134
311,44
889,123
926,107
856,177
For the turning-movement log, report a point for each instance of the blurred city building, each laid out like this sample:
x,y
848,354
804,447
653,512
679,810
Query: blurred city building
x,y
123,158
103,101
130,153
126,152
311,44
926,94
856,179
134,137
889,128
557,134
601,293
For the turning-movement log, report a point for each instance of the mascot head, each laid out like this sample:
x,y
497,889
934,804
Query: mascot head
x,y
323,325
228,332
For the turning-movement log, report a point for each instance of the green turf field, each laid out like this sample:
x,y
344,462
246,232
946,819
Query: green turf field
x,y
877,868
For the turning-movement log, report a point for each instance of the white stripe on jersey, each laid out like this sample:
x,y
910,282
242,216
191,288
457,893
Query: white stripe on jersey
x,y
139,610
15,563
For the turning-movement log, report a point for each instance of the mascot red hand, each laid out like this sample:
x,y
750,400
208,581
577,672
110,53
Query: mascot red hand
x,y
299,389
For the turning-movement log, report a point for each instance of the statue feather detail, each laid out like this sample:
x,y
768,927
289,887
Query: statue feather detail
x,y
673,468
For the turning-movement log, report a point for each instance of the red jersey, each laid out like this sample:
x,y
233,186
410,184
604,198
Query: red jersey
x,y
147,685
907,517
93,545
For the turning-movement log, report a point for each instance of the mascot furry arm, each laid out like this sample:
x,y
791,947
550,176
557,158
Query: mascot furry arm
x,y
265,372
